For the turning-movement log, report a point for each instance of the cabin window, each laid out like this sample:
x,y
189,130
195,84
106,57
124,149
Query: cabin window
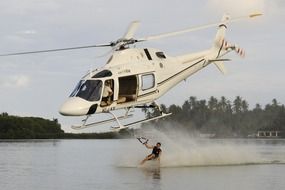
x,y
147,81
160,55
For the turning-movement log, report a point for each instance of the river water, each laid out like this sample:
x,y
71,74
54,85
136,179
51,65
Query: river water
x,y
186,163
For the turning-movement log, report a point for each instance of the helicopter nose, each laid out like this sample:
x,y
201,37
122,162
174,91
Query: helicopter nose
x,y
74,106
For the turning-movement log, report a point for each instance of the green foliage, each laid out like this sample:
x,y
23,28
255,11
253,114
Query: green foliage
x,y
223,118
14,127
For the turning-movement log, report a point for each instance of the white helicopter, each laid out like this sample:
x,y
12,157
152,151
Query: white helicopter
x,y
136,77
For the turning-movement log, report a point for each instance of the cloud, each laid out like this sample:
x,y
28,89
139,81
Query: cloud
x,y
271,9
28,32
15,81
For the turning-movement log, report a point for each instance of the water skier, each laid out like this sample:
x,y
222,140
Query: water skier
x,y
155,154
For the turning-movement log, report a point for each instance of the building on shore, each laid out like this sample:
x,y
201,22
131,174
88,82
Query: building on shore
x,y
269,134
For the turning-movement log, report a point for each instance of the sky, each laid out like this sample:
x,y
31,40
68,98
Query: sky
x,y
37,85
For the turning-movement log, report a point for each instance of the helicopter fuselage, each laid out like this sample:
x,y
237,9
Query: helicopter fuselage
x,y
136,77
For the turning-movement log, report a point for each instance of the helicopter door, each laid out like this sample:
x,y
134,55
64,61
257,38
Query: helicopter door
x,y
127,89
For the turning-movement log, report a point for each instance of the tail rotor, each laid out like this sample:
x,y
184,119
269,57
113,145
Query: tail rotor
x,y
229,47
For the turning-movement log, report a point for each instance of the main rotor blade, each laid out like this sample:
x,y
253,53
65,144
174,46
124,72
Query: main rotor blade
x,y
175,33
131,30
55,50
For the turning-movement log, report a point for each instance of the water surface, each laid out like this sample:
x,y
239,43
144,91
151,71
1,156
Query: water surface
x,y
112,164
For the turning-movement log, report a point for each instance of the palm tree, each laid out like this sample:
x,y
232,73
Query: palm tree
x,y
237,107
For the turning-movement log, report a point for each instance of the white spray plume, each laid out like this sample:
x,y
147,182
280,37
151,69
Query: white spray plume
x,y
179,149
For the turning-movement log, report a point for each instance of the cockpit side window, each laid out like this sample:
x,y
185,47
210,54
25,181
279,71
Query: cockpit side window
x,y
104,73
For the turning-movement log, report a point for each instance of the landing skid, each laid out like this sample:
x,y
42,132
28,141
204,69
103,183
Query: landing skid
x,y
116,119
140,122
94,124
144,120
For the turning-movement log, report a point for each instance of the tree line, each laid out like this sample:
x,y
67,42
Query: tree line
x,y
222,117
15,127
218,116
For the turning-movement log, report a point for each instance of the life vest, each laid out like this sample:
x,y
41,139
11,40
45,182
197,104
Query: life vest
x,y
156,151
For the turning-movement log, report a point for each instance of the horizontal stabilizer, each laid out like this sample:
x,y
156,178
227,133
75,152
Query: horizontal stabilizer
x,y
217,60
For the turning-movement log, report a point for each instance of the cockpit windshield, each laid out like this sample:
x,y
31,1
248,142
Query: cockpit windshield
x,y
89,90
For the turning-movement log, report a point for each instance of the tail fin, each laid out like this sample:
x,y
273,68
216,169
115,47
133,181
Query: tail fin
x,y
221,46
219,43
220,36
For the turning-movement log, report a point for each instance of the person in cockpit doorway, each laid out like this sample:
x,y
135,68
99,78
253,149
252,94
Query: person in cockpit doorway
x,y
107,93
